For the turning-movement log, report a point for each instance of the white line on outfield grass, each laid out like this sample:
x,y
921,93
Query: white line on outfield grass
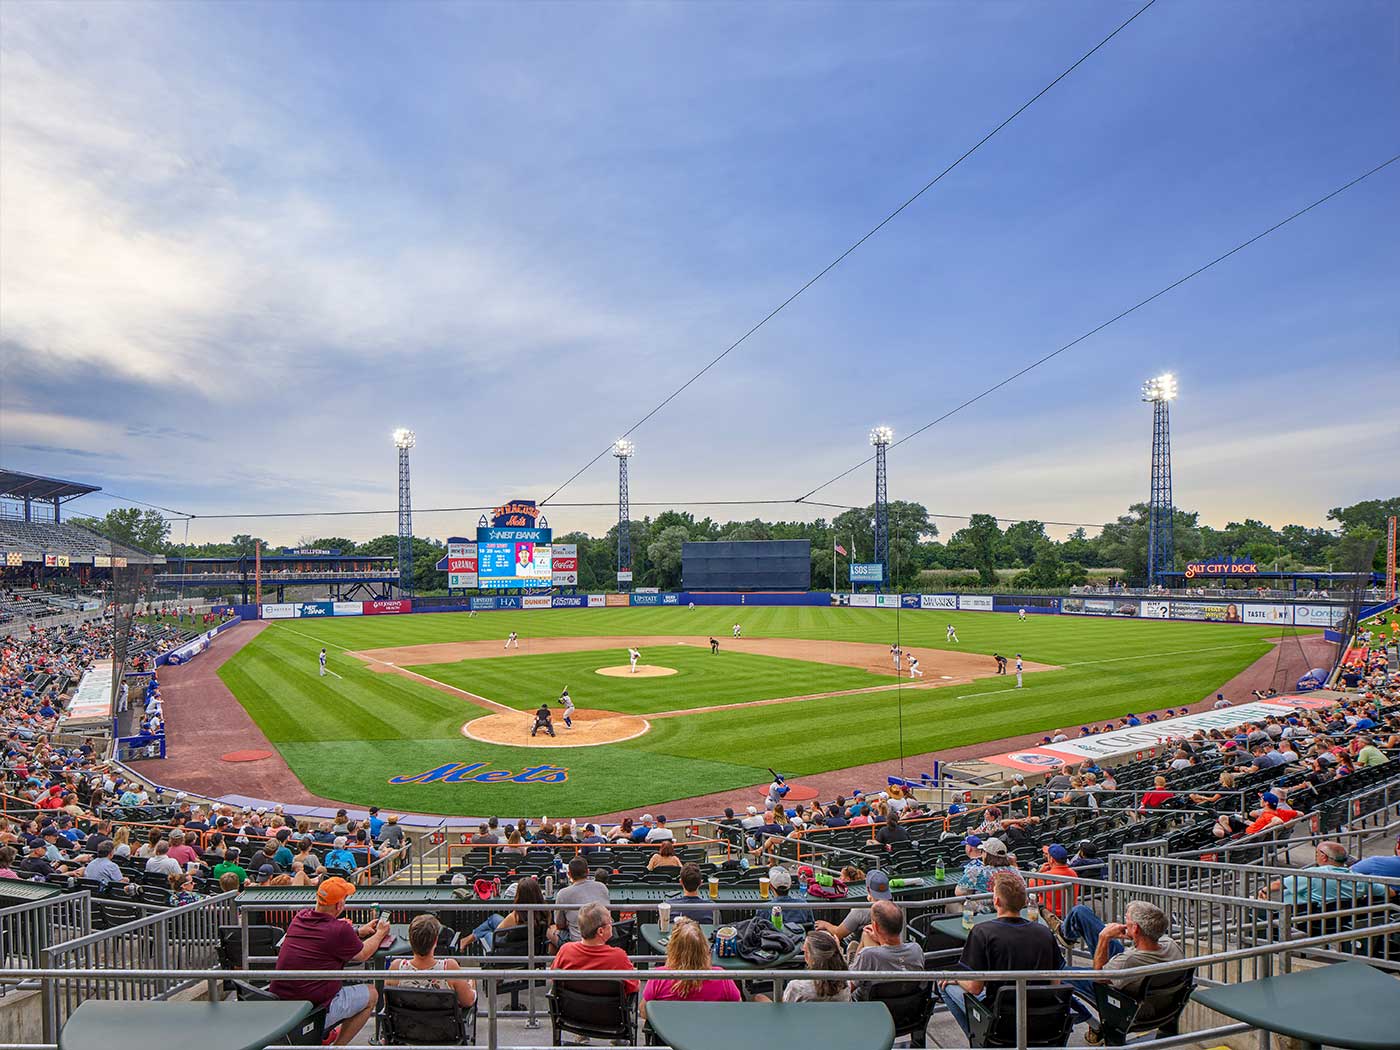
x,y
1153,656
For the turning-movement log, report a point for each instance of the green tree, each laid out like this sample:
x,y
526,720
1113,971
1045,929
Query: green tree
x,y
665,555
977,545
333,543
1024,541
1371,513
145,530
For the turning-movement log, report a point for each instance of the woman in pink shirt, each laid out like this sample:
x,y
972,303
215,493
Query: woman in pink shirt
x,y
688,949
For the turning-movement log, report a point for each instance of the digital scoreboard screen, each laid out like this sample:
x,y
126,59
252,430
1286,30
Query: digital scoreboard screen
x,y
509,559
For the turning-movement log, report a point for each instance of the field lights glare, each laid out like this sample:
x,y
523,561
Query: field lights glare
x,y
1162,388
882,436
404,438
622,448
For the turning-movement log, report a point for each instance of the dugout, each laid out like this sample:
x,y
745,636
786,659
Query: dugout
x,y
747,565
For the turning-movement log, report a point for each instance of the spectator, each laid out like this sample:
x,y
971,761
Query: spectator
x,y
877,888
820,951
664,857
591,840
182,889
780,882
1007,942
527,891
891,832
581,890
691,880
659,831
975,876
228,882
592,951
100,868
688,949
883,946
1369,754
1272,813
1328,857
423,934
341,858
1159,796
1385,867
320,939
230,865
162,863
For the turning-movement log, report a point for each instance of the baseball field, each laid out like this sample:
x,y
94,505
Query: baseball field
x,y
430,713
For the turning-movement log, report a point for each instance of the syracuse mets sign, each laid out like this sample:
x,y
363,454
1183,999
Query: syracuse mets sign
x,y
478,773
1228,567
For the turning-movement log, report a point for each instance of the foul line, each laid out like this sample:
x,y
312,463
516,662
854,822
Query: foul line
x,y
1153,656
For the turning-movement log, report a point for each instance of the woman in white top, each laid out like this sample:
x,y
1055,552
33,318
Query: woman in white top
x,y
428,970
822,952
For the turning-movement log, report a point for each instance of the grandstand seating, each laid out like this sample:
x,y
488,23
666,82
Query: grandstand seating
x,y
48,537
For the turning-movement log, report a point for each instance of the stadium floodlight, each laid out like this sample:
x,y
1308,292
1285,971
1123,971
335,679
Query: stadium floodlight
x,y
1160,388
622,448
404,438
882,436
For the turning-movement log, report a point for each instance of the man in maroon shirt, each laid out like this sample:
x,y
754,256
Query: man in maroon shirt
x,y
319,939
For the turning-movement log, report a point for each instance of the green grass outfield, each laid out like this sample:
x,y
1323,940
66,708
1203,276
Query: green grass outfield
x,y
346,737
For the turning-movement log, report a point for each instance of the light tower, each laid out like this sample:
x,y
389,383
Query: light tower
x,y
1161,554
881,437
405,439
623,450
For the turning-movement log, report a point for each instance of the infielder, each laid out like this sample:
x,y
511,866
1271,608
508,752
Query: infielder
x,y
895,653
714,646
1018,670
322,659
952,633
1021,614
738,630
568,702
512,638
634,655
914,671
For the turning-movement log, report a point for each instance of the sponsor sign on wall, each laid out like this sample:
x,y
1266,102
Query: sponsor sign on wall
x,y
387,607
568,601
1222,567
975,602
536,601
1156,610
1214,612
597,601
1099,606
887,601
508,601
612,600
564,566
480,604
1260,612
311,610
863,601
461,565
278,611
908,601
645,598
1319,615
347,608
867,572
624,575
938,601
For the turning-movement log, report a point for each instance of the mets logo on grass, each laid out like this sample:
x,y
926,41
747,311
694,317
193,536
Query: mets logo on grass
x,y
478,773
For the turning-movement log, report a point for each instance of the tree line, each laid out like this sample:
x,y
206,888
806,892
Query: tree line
x,y
974,555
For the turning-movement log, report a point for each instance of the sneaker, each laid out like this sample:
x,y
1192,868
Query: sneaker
x,y
1093,1036
1055,922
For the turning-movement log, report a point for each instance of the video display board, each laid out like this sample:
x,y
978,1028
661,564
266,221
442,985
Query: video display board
x,y
513,558
747,565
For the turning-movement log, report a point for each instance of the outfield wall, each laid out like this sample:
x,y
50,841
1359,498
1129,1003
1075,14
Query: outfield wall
x,y
1301,614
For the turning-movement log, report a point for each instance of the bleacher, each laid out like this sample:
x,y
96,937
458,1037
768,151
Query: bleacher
x,y
48,537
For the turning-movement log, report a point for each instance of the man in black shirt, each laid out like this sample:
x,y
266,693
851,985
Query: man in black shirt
x,y
542,721
1007,942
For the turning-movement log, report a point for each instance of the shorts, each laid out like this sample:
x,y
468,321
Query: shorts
x,y
350,1000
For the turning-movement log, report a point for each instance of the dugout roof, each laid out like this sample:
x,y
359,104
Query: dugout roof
x,y
15,484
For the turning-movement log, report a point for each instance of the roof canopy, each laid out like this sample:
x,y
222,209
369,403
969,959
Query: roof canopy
x,y
15,484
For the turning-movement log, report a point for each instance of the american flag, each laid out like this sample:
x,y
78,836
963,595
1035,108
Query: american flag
x,y
840,549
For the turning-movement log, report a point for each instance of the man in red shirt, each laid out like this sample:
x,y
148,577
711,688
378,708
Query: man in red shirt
x,y
319,939
594,952
1158,796
1272,813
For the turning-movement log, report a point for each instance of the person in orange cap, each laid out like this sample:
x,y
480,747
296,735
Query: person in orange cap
x,y
320,938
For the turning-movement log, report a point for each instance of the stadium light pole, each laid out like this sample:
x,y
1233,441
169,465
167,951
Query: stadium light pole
x,y
881,438
623,450
1161,556
405,439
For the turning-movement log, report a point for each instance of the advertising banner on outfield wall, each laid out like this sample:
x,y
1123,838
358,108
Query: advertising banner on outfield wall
x,y
568,601
640,598
564,564
483,604
461,564
975,602
1213,612
311,610
624,575
1263,612
597,601
908,601
509,601
278,611
388,607
1319,615
938,601
862,601
347,608
536,601
1098,606
867,572
612,600
887,601
1155,610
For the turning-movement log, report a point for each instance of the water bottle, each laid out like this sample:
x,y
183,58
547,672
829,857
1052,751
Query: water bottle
x,y
967,914
940,872
777,917
548,886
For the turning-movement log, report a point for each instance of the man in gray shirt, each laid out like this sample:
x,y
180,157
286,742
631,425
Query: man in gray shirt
x,y
102,868
883,946
581,890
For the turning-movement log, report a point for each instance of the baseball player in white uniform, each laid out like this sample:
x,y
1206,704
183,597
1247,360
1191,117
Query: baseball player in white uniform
x,y
512,638
1020,614
634,655
914,671
322,659
952,633
1018,670
738,630
895,654
568,702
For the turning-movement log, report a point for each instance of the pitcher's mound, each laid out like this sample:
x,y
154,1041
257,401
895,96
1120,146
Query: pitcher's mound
x,y
590,728
643,671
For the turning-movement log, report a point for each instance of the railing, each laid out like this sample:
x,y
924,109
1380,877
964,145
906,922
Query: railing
x,y
172,940
27,930
1263,959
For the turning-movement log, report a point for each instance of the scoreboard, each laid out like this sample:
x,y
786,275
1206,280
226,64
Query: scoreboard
x,y
513,559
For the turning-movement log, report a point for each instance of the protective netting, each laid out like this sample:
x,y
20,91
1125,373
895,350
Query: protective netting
x,y
131,584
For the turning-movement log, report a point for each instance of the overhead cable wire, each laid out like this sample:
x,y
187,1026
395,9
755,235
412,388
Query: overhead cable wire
x,y
868,234
1112,320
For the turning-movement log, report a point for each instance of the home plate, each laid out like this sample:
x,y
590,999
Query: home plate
x,y
946,677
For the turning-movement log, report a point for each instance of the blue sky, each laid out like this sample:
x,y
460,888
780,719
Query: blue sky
x,y
239,243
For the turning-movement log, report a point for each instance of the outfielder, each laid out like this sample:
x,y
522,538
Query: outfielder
x,y
1021,614
914,671
322,659
634,655
738,630
568,702
512,638
952,633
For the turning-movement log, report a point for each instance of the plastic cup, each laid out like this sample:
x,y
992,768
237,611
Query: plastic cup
x,y
663,916
763,888
714,887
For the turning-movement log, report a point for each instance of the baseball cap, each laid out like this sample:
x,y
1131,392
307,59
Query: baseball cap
x,y
339,842
780,877
1058,852
333,890
267,870
753,811
995,847
459,879
877,886
973,841
1270,798
647,818
660,818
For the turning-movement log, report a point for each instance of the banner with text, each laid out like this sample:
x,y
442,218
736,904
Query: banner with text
x,y
387,607
975,602
564,565
347,608
597,601
536,601
462,565
938,601
867,572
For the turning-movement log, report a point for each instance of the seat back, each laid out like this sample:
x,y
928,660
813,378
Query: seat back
x,y
262,941
424,1016
910,1003
591,1008
1048,1017
309,1032
1158,1004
